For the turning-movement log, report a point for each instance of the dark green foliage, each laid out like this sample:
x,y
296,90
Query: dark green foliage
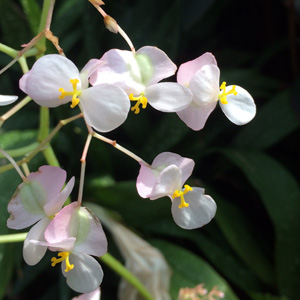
x,y
251,250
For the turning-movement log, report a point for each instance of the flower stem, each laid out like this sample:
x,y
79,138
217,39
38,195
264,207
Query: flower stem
x,y
83,164
119,147
13,238
13,163
115,265
12,111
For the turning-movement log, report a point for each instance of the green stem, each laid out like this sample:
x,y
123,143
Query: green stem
x,y
21,151
126,274
47,6
13,238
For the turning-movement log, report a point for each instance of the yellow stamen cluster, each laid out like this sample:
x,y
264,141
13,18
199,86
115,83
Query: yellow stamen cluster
x,y
63,256
180,194
139,100
223,95
74,94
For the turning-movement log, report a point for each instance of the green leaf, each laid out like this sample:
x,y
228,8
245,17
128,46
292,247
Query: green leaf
x,y
237,228
273,122
280,194
216,251
189,270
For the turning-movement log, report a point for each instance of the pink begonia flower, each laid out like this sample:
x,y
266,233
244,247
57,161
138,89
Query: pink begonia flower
x,y
38,198
77,233
202,76
55,80
6,100
138,74
191,208
95,295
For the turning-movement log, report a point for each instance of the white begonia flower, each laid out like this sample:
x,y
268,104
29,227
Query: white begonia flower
x,y
55,80
202,76
77,234
191,208
6,100
138,74
38,199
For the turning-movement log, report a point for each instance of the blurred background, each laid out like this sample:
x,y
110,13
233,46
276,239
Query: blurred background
x,y
251,249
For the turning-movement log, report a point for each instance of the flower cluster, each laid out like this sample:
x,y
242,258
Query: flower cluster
x,y
105,91
73,230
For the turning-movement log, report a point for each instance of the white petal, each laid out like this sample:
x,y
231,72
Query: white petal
x,y
241,108
105,106
187,70
146,180
51,179
201,209
205,85
186,165
93,240
49,74
168,96
54,205
32,252
168,181
24,207
162,65
86,275
91,66
195,116
119,68
5,99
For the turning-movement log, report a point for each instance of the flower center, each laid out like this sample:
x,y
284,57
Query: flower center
x,y
63,256
141,99
180,194
223,95
74,94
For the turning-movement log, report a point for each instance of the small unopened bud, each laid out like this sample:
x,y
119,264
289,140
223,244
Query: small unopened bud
x,y
111,24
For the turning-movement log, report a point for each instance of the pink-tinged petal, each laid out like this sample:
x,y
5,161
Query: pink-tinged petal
x,y
64,225
25,207
95,295
90,239
91,66
119,68
195,116
32,252
49,74
55,205
162,65
187,70
202,208
51,178
23,82
86,275
62,245
240,108
168,181
168,96
105,106
146,180
6,100
205,85
186,165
